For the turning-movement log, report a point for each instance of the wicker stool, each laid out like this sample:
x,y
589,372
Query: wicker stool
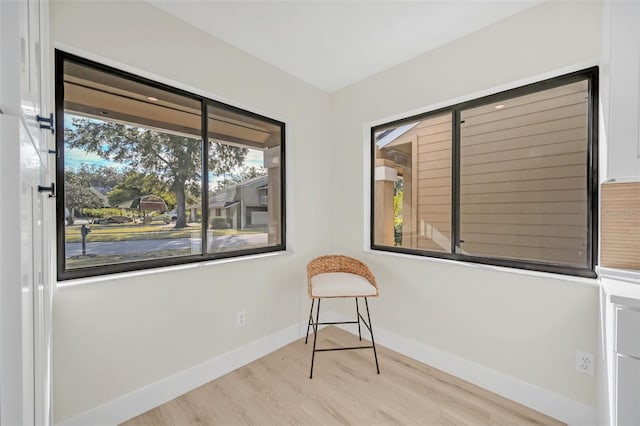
x,y
340,276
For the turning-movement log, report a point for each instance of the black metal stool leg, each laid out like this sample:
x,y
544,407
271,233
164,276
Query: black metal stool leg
x,y
373,343
310,321
315,336
358,317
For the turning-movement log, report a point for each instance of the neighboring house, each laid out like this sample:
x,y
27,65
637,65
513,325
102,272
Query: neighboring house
x,y
145,203
240,206
101,193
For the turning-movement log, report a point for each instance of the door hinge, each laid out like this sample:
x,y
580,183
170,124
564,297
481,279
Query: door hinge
x,y
46,123
51,189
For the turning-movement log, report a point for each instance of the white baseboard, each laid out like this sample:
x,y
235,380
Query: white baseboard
x,y
155,394
552,404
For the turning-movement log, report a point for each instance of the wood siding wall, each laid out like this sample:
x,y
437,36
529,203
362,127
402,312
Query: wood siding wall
x,y
523,183
433,183
620,236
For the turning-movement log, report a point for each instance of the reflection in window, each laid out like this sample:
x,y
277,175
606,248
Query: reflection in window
x,y
508,179
134,175
413,185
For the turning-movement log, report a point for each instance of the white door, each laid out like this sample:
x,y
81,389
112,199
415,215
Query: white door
x,y
25,286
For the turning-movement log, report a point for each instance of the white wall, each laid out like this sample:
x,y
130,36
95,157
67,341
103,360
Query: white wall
x,y
113,337
526,326
116,336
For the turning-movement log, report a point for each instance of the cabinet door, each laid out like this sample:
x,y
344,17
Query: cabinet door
x,y
30,59
627,332
628,391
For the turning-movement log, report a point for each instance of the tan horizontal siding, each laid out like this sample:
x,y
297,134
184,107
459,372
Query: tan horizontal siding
x,y
434,121
437,208
559,207
435,145
559,171
520,197
433,181
444,154
524,241
529,141
430,245
526,163
562,91
515,123
433,200
523,177
570,147
434,164
529,110
437,132
545,128
523,229
434,190
573,219
437,218
620,238
552,255
569,184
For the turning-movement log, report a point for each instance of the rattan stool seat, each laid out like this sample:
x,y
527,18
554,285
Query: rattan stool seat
x,y
341,284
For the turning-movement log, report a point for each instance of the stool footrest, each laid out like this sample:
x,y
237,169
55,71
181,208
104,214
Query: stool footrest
x,y
343,349
333,323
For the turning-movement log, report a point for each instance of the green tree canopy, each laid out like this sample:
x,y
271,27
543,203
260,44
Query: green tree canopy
x,y
78,194
174,159
136,184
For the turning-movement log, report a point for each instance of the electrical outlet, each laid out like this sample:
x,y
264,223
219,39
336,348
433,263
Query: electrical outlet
x,y
241,318
584,362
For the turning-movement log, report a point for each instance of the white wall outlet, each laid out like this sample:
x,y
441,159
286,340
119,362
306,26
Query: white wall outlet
x,y
584,362
241,318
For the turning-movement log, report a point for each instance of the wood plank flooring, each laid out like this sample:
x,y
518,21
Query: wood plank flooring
x,y
345,390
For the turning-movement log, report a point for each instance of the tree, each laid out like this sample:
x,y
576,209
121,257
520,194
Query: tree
x,y
136,184
172,158
78,195
243,175
99,177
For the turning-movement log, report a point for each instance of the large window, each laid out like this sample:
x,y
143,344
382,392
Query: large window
x,y
149,175
509,179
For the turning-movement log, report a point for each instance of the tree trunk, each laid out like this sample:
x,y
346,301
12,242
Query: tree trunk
x,y
181,220
70,218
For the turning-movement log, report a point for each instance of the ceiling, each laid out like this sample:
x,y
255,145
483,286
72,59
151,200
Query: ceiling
x,y
332,44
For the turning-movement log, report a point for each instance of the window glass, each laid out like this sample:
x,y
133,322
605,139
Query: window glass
x,y
244,181
523,177
132,163
141,185
508,179
413,184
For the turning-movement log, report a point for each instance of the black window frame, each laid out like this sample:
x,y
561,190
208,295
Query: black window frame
x,y
93,271
592,76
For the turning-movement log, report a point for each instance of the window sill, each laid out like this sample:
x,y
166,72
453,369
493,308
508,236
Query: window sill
x,y
521,272
164,269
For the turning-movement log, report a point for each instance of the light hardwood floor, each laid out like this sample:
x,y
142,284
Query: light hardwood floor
x,y
276,390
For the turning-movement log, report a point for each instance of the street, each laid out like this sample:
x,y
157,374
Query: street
x,y
216,244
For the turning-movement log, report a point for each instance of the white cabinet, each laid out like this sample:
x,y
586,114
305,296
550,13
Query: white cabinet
x,y
620,87
628,391
25,279
627,371
621,340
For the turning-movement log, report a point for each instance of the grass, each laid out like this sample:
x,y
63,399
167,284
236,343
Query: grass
x,y
130,231
139,231
75,262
